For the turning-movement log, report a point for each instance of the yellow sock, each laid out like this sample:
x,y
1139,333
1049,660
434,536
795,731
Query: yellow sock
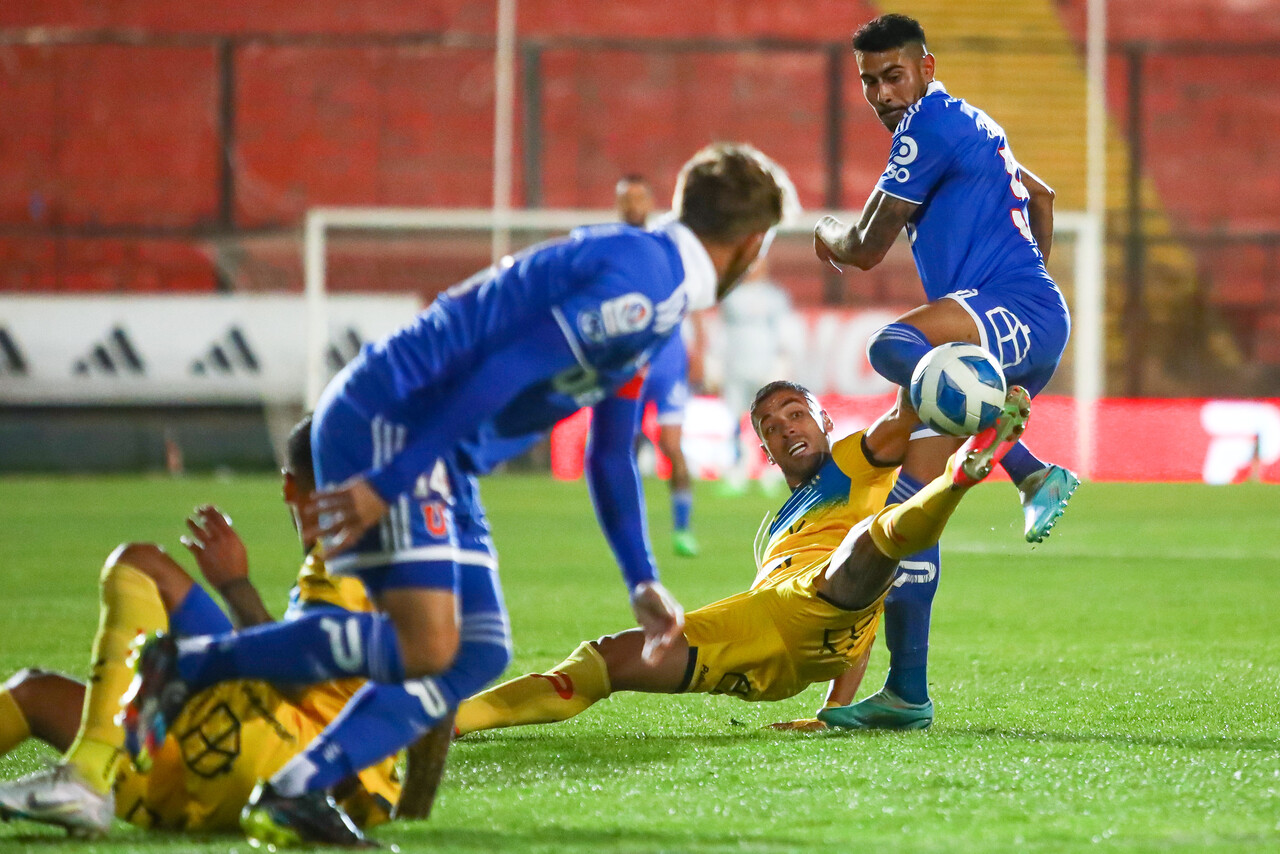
x,y
916,524
130,605
566,690
14,728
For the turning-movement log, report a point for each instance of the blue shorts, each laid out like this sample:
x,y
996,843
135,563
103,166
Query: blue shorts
x,y
667,383
1024,325
426,535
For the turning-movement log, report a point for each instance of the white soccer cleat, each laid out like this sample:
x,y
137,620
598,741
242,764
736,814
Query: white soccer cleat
x,y
60,796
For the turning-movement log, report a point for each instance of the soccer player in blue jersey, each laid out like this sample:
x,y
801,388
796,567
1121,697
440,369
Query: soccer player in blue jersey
x,y
667,384
980,228
401,435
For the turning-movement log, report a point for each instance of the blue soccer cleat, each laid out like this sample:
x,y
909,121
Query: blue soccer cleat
x,y
1044,499
882,710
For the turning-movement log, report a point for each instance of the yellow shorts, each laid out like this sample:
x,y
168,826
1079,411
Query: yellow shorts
x,y
771,643
226,739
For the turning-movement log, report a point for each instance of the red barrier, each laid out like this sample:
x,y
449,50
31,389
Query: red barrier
x,y
1160,440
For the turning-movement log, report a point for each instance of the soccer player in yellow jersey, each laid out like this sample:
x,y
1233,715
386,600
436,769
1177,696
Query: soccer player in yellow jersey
x,y
822,574
227,737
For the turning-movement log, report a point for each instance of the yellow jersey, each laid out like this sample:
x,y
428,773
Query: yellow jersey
x,y
820,512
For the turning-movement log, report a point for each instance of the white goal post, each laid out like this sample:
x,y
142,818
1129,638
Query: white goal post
x,y
1083,229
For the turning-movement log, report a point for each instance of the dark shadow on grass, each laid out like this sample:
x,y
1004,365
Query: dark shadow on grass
x,y
414,834
1184,742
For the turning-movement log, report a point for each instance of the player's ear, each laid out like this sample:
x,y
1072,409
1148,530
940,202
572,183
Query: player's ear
x,y
928,65
289,487
827,424
768,456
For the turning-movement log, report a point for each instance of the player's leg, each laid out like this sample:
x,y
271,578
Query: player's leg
x,y
38,704
1026,327
592,672
381,719
902,531
683,542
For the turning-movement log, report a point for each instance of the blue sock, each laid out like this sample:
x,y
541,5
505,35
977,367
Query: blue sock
x,y
313,648
198,615
681,509
1020,463
906,612
382,719
895,351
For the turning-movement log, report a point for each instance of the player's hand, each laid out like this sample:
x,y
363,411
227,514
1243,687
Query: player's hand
x,y
659,615
827,233
802,725
338,517
218,549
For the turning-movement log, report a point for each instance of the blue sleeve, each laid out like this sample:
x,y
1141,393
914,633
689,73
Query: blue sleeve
x,y
491,386
918,161
616,489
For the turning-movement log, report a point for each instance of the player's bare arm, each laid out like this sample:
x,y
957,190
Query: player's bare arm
x,y
224,562
864,244
1039,210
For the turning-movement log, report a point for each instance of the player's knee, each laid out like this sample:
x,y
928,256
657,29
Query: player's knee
x,y
148,558
171,580
24,686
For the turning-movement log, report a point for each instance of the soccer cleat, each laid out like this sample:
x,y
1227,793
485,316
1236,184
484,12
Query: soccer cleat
x,y
154,697
882,710
276,821
58,795
684,544
1044,499
978,456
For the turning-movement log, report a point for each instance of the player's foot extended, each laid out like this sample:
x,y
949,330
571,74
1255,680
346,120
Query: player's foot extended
x,y
1044,499
154,697
684,544
58,795
882,710
979,455
276,821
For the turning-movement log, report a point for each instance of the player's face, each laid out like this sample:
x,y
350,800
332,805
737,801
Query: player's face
x,y
794,434
744,255
635,203
893,80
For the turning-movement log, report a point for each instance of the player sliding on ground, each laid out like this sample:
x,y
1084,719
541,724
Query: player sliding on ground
x,y
980,227
227,737
822,576
401,437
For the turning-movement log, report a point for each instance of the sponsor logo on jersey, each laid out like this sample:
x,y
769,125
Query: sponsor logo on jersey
x,y
905,152
619,316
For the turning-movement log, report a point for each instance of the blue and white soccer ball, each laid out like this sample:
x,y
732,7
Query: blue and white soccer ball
x,y
958,389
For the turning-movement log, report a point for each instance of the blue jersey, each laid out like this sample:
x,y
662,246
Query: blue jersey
x,y
971,229
500,358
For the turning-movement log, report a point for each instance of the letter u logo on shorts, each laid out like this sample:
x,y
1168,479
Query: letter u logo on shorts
x,y
344,642
1012,341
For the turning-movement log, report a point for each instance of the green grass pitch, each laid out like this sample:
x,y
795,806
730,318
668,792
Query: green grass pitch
x,y
1113,689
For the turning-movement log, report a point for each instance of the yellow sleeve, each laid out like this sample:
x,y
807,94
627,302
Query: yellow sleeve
x,y
869,484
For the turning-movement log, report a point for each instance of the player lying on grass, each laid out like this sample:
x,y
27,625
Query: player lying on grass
x,y
822,575
227,737
401,438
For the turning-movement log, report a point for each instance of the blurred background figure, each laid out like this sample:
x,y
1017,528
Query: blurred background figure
x,y
666,386
634,200
754,319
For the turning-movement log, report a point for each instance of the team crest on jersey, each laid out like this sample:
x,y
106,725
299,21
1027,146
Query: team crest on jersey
x,y
619,316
